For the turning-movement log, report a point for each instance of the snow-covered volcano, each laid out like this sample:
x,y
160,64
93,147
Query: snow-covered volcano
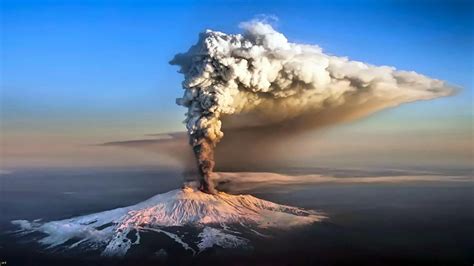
x,y
215,216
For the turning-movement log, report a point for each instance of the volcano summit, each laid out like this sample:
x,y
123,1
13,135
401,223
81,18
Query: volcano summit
x,y
218,218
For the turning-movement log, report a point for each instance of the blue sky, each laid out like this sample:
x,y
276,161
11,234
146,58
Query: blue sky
x,y
102,66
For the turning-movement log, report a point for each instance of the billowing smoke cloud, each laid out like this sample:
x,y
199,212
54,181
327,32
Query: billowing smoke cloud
x,y
258,82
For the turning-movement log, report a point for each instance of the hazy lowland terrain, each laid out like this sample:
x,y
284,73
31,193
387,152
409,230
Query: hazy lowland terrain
x,y
374,215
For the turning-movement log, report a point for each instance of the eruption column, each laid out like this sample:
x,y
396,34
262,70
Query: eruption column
x,y
259,80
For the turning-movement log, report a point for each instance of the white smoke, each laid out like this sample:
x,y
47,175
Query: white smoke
x,y
259,79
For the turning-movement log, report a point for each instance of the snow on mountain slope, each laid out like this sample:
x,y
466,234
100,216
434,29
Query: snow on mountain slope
x,y
111,231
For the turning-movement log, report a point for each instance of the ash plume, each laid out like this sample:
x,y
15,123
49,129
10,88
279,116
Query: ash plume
x,y
260,83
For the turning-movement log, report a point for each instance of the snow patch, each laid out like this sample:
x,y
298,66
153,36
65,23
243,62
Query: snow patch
x,y
214,237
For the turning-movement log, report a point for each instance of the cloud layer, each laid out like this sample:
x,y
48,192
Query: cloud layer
x,y
246,181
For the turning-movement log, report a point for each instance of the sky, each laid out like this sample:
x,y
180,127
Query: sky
x,y
79,73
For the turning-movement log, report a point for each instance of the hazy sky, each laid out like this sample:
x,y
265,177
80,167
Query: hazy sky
x,y
76,73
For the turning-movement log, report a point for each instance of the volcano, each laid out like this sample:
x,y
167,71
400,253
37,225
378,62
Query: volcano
x,y
218,219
